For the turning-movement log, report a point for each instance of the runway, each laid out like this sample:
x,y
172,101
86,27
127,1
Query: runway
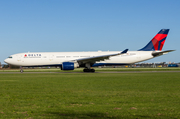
x,y
88,72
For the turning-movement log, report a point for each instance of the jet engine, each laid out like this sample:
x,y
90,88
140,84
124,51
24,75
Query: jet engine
x,y
69,65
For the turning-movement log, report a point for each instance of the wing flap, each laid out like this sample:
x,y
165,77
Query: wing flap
x,y
99,58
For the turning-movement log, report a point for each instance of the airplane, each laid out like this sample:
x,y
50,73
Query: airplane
x,y
72,60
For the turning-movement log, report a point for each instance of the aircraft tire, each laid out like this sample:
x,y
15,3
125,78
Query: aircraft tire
x,y
85,70
88,70
92,70
21,71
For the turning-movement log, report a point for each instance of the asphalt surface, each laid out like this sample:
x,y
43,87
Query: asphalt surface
x,y
89,72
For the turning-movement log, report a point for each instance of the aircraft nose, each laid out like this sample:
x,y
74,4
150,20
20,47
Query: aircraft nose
x,y
6,61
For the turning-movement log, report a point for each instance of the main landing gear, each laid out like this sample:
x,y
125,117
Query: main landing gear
x,y
89,70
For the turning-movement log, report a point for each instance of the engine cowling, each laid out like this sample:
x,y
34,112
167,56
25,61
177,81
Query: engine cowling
x,y
69,65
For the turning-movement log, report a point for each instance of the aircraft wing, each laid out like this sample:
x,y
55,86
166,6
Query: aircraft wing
x,y
155,54
99,58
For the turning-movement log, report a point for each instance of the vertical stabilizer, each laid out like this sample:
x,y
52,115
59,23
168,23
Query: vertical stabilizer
x,y
157,42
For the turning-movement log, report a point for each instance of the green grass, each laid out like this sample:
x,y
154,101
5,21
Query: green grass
x,y
97,69
90,95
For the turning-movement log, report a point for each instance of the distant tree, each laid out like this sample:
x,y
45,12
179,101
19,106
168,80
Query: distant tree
x,y
10,66
14,67
6,66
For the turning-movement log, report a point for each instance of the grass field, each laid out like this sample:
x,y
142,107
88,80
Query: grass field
x,y
90,95
97,69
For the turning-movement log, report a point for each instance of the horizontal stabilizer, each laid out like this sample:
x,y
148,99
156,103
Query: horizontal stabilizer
x,y
155,54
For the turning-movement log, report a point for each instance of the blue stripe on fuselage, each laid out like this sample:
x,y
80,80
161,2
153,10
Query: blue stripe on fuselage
x,y
107,64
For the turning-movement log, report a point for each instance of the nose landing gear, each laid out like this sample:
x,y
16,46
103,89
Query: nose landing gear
x,y
21,70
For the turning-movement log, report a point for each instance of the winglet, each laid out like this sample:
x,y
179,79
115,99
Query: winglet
x,y
125,51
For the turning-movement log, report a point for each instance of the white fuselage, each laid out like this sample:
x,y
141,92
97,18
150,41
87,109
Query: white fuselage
x,y
57,58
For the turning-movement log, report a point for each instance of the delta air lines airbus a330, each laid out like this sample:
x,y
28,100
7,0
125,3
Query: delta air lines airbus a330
x,y
72,60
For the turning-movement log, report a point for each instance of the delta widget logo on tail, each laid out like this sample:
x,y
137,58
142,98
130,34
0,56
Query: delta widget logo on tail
x,y
157,42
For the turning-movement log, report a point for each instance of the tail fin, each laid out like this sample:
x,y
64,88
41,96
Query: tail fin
x,y
157,42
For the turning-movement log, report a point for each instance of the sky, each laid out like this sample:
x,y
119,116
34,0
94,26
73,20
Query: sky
x,y
87,25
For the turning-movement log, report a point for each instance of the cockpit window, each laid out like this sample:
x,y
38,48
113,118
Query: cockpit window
x,y
10,57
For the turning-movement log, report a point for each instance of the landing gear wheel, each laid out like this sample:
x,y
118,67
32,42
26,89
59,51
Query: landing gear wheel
x,y
85,70
21,71
88,70
92,70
